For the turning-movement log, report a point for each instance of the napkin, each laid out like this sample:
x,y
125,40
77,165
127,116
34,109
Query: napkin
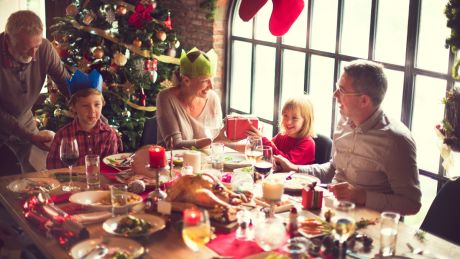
x,y
228,245
92,217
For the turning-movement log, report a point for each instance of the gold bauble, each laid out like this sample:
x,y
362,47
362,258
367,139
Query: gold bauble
x,y
121,9
161,35
137,43
71,10
119,59
88,19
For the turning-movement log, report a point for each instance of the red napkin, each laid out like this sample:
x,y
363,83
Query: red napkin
x,y
62,197
109,172
228,245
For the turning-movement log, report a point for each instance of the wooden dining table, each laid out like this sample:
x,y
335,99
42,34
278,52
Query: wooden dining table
x,y
168,242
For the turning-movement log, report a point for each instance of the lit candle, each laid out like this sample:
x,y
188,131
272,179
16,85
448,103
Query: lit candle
x,y
272,189
157,157
192,216
193,159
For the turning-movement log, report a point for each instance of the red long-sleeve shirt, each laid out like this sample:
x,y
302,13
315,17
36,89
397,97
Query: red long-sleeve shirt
x,y
300,151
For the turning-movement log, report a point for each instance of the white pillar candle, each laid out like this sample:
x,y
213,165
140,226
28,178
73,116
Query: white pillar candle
x,y
193,159
272,189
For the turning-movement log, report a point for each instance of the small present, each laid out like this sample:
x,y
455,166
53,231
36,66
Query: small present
x,y
312,198
237,125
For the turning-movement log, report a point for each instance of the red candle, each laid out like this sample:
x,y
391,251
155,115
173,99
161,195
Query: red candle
x,y
157,157
192,216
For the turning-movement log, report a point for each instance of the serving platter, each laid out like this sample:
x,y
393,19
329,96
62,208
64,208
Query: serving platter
x,y
100,200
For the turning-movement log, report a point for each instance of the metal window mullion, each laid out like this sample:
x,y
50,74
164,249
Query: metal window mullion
x,y
373,29
336,60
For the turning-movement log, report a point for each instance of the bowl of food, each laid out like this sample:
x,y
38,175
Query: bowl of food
x,y
100,200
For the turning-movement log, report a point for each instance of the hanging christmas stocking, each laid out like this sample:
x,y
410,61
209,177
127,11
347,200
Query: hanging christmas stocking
x,y
249,8
284,14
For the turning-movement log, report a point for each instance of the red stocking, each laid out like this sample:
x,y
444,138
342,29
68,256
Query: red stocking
x,y
284,14
249,8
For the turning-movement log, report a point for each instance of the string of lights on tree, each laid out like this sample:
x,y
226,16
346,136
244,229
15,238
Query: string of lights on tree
x,y
132,44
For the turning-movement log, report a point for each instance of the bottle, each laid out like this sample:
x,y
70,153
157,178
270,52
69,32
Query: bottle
x,y
293,225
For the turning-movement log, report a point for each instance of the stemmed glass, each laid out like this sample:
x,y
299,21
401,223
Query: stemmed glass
x,y
343,223
264,165
196,230
253,151
68,152
212,126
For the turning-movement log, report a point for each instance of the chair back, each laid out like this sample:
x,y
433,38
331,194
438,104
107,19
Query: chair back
x,y
149,134
443,216
323,147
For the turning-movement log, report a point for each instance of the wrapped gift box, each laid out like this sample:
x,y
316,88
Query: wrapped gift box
x,y
312,198
237,125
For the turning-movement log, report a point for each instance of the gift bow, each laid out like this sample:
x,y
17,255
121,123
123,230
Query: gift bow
x,y
141,14
312,186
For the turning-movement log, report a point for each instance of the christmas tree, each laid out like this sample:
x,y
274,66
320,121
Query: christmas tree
x,y
132,44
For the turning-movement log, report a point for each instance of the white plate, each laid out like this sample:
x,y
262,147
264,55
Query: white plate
x,y
100,200
116,159
234,160
129,246
156,224
27,185
297,181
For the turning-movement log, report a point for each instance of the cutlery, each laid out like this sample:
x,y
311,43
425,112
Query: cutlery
x,y
289,176
98,251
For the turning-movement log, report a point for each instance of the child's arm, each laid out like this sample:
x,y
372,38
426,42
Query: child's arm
x,y
303,153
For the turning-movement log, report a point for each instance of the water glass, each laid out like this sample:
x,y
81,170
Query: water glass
x,y
119,199
217,156
93,172
270,233
388,232
297,247
242,181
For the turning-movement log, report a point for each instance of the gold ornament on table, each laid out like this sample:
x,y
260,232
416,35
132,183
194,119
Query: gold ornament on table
x,y
119,59
137,43
121,9
98,52
71,10
161,35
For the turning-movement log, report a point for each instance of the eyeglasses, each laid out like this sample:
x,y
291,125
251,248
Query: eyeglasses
x,y
340,91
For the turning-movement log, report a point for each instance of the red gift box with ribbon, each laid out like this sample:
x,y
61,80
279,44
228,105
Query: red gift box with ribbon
x,y
237,125
312,198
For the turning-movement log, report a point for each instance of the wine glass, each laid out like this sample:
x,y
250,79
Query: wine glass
x,y
343,223
196,230
253,148
69,155
264,165
212,126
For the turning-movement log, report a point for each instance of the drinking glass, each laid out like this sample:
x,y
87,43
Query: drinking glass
x,y
196,230
93,172
343,223
68,152
118,198
217,157
265,163
270,233
253,149
212,126
388,232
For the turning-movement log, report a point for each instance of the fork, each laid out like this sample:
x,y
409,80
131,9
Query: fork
x,y
99,250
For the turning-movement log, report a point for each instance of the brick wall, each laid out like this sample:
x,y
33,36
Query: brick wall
x,y
195,30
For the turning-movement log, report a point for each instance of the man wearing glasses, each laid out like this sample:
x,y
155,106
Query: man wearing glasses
x,y
374,157
25,60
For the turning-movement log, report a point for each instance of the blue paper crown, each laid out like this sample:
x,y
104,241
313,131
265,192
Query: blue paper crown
x,y
82,81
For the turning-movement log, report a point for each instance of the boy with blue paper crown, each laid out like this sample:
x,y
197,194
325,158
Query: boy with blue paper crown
x,y
93,135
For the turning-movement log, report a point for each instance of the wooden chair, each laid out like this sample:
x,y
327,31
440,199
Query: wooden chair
x,y
323,147
443,216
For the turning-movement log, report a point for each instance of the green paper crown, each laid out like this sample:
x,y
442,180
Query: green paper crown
x,y
197,63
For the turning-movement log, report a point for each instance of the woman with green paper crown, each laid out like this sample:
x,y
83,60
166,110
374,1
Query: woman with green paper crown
x,y
184,110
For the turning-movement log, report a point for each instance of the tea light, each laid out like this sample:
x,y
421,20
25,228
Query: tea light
x,y
272,189
157,157
192,216
193,158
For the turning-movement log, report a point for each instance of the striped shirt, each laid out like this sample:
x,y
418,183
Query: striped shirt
x,y
102,141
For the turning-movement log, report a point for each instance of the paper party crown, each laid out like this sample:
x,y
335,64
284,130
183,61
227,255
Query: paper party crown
x,y
197,63
81,81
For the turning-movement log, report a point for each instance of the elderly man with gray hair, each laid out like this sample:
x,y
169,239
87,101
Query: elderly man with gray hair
x,y
374,157
26,58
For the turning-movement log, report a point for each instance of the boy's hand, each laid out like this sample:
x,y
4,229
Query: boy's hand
x,y
284,165
42,140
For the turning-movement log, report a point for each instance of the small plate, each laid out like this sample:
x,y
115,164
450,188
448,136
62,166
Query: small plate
x,y
296,182
115,244
311,227
156,224
116,161
100,200
27,185
233,160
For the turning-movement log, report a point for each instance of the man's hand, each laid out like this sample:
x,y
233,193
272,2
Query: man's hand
x,y
43,139
284,165
346,191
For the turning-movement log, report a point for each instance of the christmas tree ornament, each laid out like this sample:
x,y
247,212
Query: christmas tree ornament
x,y
119,59
176,43
98,52
121,9
168,22
166,84
141,15
88,19
71,10
142,98
137,43
125,113
197,63
161,35
57,112
110,16
153,75
150,64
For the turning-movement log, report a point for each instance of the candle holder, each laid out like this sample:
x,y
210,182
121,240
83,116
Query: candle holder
x,y
157,194
272,191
